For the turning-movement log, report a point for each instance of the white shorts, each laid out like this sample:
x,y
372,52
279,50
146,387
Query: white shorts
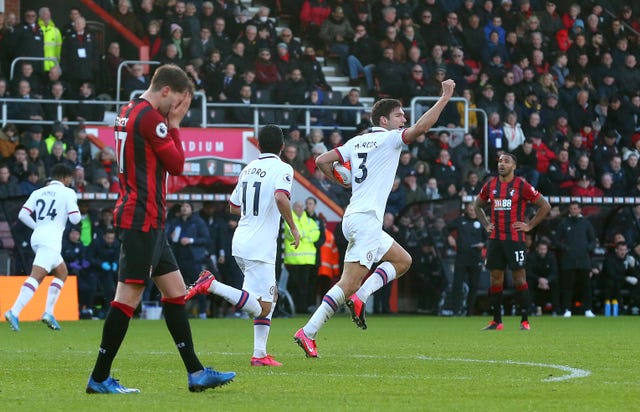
x,y
259,278
367,241
46,258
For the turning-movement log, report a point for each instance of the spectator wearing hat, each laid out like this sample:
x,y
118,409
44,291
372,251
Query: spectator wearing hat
x,y
35,159
57,134
284,60
34,137
585,187
607,87
175,15
487,100
413,192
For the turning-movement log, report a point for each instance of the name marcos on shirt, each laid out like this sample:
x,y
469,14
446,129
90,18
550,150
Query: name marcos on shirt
x,y
366,145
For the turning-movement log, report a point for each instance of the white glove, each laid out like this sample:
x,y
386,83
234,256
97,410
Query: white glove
x,y
631,261
631,280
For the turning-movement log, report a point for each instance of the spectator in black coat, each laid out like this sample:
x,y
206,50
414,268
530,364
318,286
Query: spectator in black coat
x,y
79,55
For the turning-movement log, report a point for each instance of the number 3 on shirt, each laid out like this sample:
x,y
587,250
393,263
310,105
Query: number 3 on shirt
x,y
362,167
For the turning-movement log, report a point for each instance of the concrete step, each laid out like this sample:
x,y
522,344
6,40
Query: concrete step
x,y
337,80
329,70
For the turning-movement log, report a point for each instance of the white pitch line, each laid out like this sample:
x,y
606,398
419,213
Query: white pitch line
x,y
573,372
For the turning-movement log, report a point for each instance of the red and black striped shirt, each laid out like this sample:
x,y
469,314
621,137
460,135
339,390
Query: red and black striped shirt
x,y
508,201
147,150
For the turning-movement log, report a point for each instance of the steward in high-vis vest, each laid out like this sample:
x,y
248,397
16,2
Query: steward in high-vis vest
x,y
52,38
301,262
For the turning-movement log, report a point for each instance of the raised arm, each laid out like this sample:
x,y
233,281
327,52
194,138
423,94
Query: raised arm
x,y
427,120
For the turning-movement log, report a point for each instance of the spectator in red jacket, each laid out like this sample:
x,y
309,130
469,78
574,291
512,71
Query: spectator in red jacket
x,y
544,154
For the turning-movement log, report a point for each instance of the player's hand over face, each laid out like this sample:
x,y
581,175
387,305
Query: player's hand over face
x,y
448,87
296,237
179,110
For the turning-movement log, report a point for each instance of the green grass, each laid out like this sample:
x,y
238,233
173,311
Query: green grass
x,y
399,363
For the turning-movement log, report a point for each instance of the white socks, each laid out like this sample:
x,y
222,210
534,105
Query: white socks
x,y
261,328
330,304
383,274
240,298
53,295
26,293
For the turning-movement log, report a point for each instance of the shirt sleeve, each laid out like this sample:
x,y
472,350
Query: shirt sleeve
x,y
484,193
285,181
234,199
72,207
344,151
30,204
529,192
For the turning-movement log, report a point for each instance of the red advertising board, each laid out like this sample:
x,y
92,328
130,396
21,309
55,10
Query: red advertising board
x,y
213,155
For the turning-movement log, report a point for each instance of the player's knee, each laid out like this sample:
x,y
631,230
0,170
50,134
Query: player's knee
x,y
403,265
266,309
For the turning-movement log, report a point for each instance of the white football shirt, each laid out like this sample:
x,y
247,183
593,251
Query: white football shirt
x,y
257,232
374,161
51,205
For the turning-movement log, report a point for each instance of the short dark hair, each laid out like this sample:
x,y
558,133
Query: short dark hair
x,y
383,108
60,171
511,155
172,76
271,139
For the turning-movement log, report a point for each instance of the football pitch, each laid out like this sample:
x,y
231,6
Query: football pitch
x,y
400,363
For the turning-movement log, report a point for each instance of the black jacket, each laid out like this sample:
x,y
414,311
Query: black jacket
x,y
575,239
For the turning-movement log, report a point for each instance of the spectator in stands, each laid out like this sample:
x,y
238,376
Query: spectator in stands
x,y
9,140
177,38
69,26
104,161
390,75
28,109
55,157
392,40
175,15
445,171
606,184
222,85
236,25
136,81
34,136
413,192
4,90
27,73
267,75
71,157
219,36
87,111
147,12
52,38
333,191
29,41
250,40
561,174
9,186
395,202
35,159
337,33
293,46
312,70
154,40
18,163
79,60
170,56
238,57
473,38
614,167
57,135
264,38
362,57
350,117
513,132
245,97
200,48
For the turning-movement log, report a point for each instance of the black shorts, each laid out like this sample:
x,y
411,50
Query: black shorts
x,y
505,253
144,254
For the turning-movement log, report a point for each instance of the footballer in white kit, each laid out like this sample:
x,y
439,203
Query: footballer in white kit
x,y
374,160
260,198
51,207
255,239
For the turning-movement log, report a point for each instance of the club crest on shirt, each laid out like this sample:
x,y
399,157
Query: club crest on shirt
x,y
162,130
512,192
287,178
